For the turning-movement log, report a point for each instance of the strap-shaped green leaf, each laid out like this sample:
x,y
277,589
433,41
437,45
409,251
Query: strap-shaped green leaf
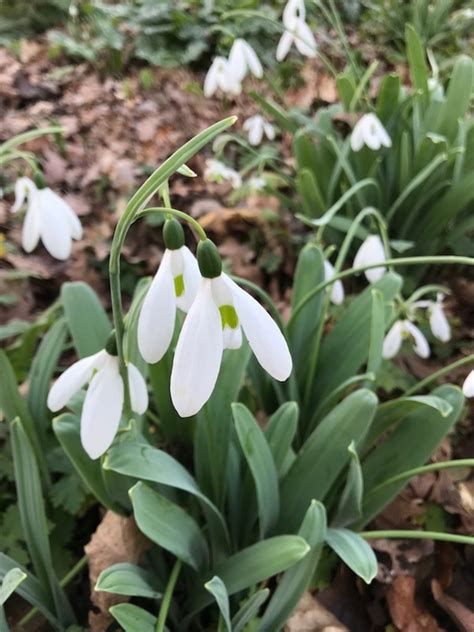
x,y
11,580
218,590
280,432
324,455
86,318
127,579
262,466
349,508
377,331
169,526
249,610
132,618
354,551
417,61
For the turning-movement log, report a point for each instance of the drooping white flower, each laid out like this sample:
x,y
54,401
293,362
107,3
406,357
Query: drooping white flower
x,y
174,286
256,183
243,59
103,404
48,218
217,171
371,251
400,330
221,76
468,386
369,131
337,289
439,324
297,32
214,323
256,126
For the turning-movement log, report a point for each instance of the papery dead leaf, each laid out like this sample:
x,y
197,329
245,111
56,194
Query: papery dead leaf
x,y
311,616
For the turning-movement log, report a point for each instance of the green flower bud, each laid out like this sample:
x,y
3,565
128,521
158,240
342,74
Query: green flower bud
x,y
173,234
209,259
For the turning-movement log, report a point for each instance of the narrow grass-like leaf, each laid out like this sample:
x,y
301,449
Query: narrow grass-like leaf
x,y
86,318
249,610
169,526
280,432
260,461
218,590
417,60
349,508
127,579
354,551
377,332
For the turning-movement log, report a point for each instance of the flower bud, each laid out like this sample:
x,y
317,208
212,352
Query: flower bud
x,y
173,234
209,259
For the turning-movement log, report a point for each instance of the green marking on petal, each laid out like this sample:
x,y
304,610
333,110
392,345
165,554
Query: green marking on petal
x,y
229,316
179,285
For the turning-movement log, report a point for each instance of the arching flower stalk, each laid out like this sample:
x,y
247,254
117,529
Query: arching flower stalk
x,y
48,218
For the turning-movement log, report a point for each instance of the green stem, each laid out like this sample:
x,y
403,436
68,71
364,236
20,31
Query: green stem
x,y
402,261
434,376
165,604
172,211
75,570
418,535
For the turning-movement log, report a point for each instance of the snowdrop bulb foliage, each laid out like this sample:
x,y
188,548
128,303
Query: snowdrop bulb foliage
x,y
216,320
371,251
243,59
256,127
297,32
369,131
220,76
468,386
48,218
217,171
337,289
400,330
103,404
174,287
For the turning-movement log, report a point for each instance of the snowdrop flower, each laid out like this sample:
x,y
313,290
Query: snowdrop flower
x,y
369,131
217,171
48,218
256,126
103,404
371,251
297,32
468,386
439,324
400,330
337,289
221,311
221,76
256,183
174,286
243,59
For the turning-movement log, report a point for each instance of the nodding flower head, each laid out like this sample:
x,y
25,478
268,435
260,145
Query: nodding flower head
x,y
243,59
401,330
371,251
370,132
297,31
221,76
468,386
256,127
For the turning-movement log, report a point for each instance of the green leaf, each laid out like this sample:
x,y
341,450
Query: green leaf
x,y
218,590
417,61
67,430
260,461
86,318
281,118
311,196
296,580
415,438
127,579
132,618
458,96
255,564
14,406
31,590
249,610
169,526
324,455
280,432
354,551
33,519
11,580
377,332
42,369
147,463
388,97
346,88
349,508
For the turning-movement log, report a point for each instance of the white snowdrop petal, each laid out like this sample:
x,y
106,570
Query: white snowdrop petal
x,y
255,133
138,390
357,139
439,323
102,410
54,228
30,232
393,340
237,63
468,386
252,60
371,251
421,346
336,289
23,186
269,130
304,39
211,80
157,315
191,277
72,380
284,45
198,354
264,336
